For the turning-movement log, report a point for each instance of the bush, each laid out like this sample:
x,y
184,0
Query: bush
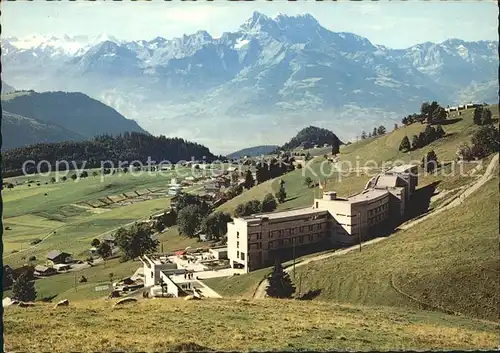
x,y
269,203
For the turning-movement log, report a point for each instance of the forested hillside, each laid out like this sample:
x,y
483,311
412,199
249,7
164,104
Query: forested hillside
x,y
310,136
125,147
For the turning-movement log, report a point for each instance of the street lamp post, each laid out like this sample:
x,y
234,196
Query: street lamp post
x,y
359,230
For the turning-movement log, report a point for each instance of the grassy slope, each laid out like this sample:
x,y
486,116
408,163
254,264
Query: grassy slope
x,y
32,215
379,149
465,226
63,285
451,260
231,325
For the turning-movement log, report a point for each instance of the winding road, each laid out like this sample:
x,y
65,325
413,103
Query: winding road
x,y
260,292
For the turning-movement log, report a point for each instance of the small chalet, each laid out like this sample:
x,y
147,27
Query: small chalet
x,y
44,271
110,239
59,257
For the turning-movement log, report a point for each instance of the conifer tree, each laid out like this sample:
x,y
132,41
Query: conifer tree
x,y
281,194
430,161
439,131
280,283
405,144
249,180
24,288
415,143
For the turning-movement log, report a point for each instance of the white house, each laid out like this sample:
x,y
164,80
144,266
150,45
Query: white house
x,y
219,253
154,266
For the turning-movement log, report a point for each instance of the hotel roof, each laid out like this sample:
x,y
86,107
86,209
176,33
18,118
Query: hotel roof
x,y
366,195
285,214
401,168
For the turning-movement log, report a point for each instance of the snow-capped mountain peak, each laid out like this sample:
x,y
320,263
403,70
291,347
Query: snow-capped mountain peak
x,y
273,67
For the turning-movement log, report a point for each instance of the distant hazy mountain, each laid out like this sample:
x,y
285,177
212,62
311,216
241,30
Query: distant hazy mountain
x,y
6,88
262,81
18,131
253,151
58,116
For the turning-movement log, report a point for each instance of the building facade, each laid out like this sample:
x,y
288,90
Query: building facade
x,y
257,241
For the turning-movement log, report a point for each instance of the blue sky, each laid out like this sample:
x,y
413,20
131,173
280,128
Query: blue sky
x,y
395,24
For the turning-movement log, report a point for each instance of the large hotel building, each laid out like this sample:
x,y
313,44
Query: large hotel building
x,y
257,241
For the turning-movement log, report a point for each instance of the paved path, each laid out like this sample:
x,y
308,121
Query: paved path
x,y
488,174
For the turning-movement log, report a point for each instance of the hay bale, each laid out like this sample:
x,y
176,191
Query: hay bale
x,y
125,301
64,302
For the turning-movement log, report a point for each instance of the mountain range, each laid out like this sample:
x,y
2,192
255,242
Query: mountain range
x,y
29,117
259,84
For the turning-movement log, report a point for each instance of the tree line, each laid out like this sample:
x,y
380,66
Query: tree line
x,y
124,147
424,138
268,204
377,131
429,112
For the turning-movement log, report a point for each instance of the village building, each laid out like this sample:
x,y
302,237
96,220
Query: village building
x,y
165,278
219,253
257,241
59,257
154,266
44,271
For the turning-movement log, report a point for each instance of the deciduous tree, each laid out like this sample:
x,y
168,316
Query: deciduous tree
x,y
269,203
189,219
135,242
215,225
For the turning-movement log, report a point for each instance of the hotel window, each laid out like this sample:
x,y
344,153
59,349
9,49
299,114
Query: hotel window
x,y
310,228
237,235
302,229
301,239
237,244
237,254
317,204
243,256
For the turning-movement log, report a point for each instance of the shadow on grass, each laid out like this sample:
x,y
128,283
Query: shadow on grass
x,y
448,121
310,295
49,298
189,347
421,200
